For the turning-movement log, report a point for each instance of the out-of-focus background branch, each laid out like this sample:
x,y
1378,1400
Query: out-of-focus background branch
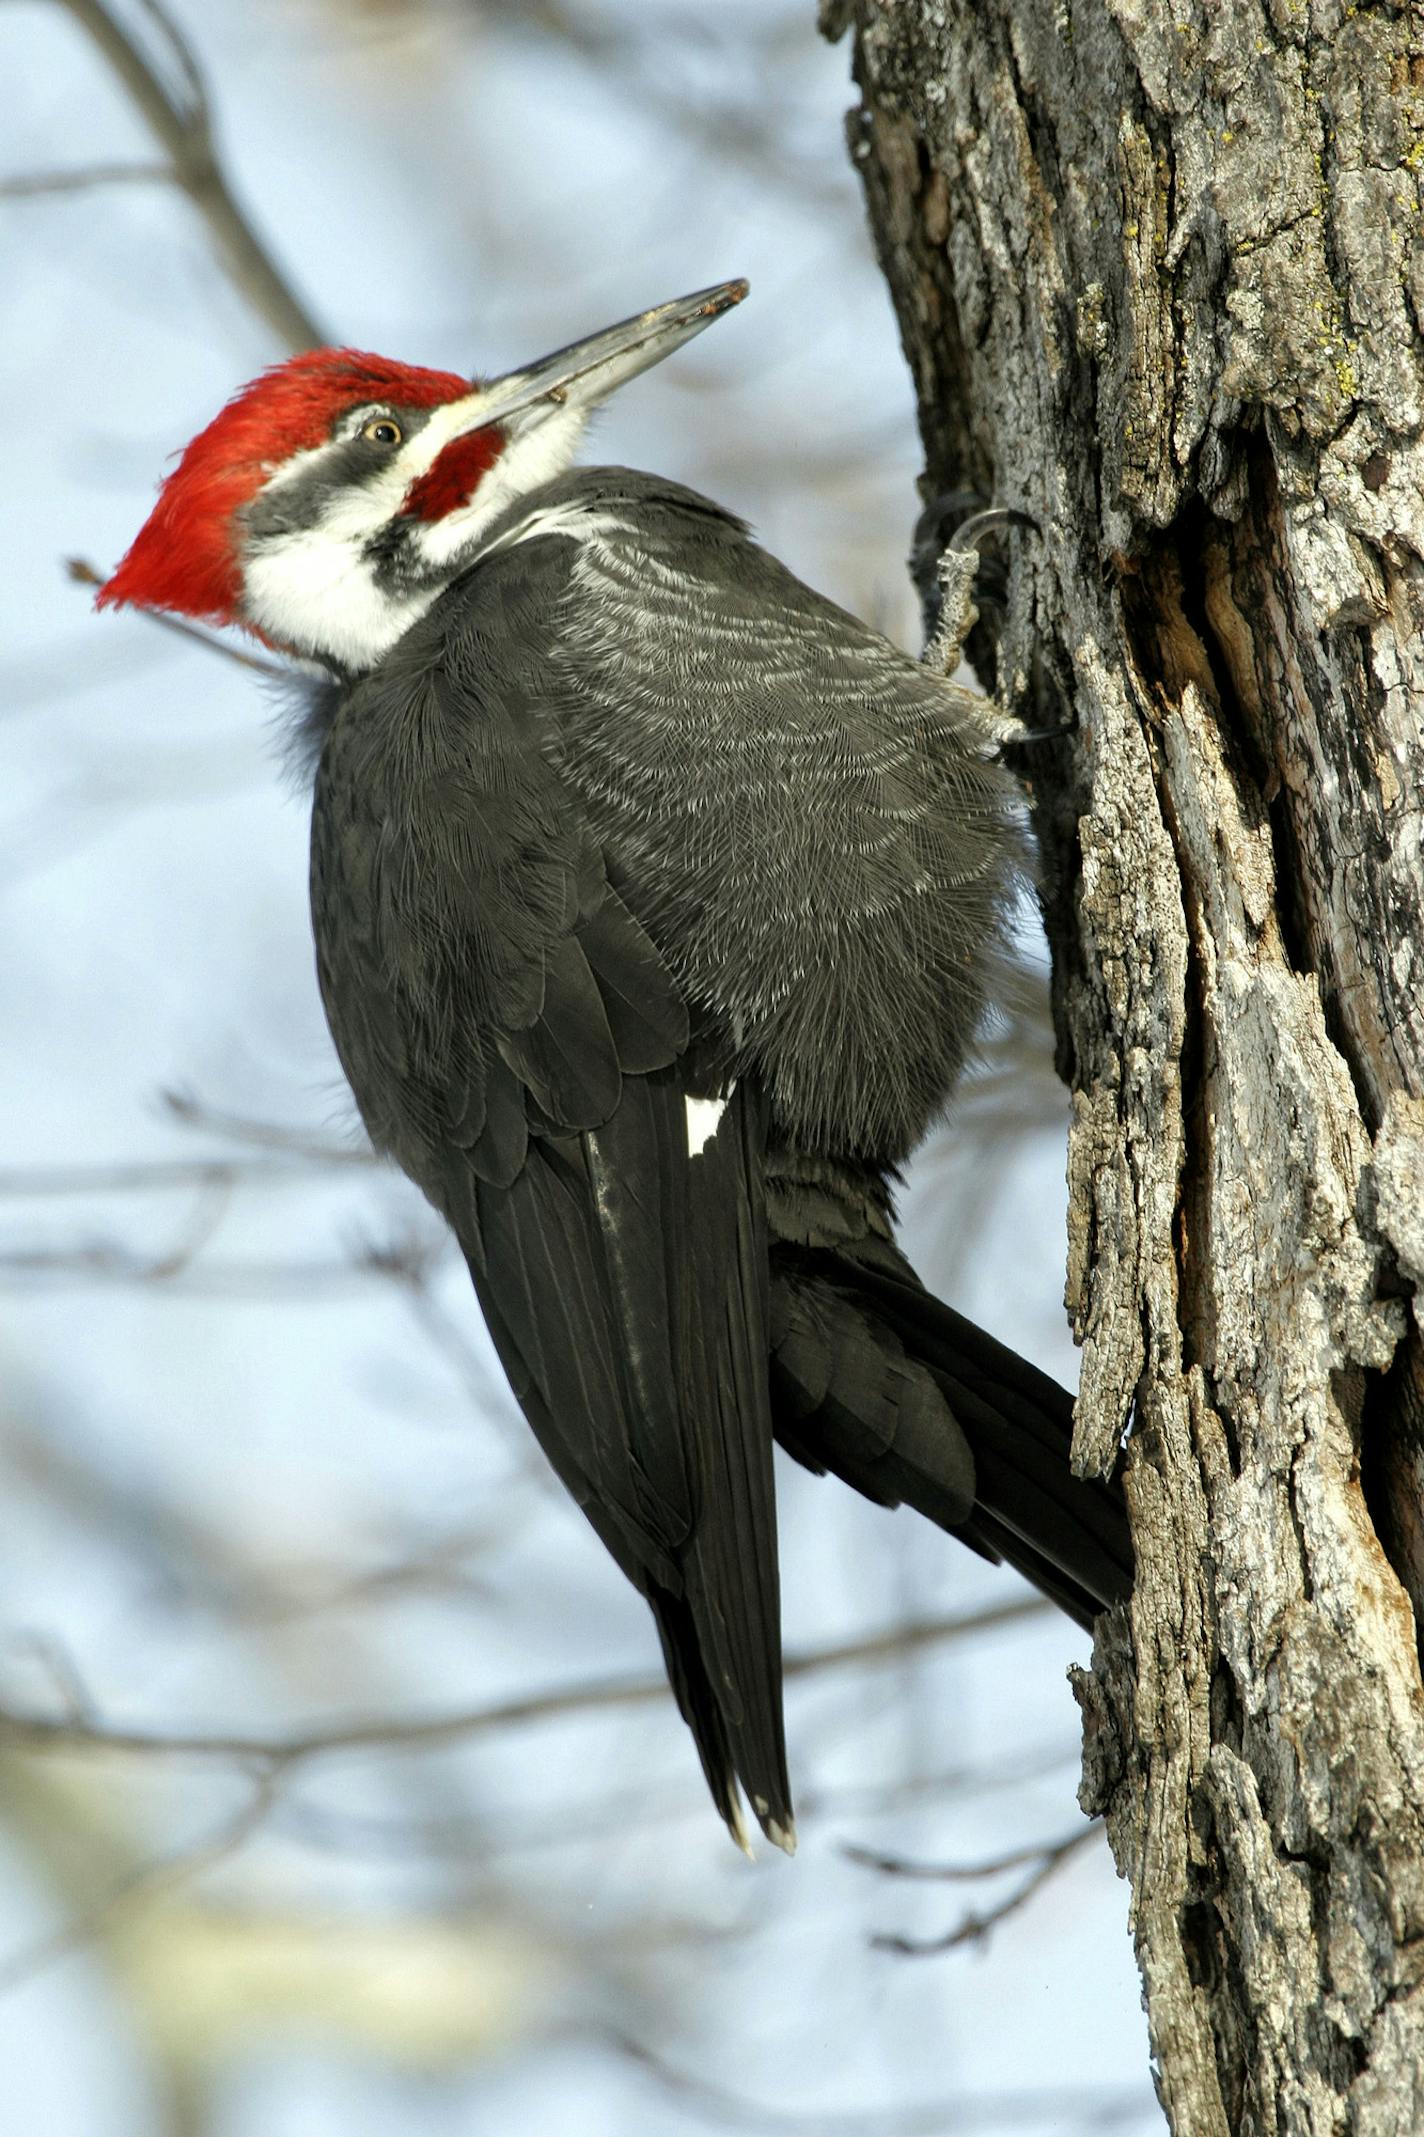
x,y
338,1789
169,93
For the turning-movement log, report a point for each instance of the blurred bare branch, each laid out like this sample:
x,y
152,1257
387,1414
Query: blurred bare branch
x,y
205,1562
746,130
176,1268
43,1733
583,1819
968,1873
59,1666
144,1881
1098,2109
39,183
83,573
194,1112
407,1260
1046,1861
157,1175
181,121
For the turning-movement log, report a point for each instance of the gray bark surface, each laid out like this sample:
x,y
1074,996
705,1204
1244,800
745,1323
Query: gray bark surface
x,y
1159,272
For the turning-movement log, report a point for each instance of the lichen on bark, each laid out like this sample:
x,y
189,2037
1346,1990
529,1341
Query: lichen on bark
x,y
1159,271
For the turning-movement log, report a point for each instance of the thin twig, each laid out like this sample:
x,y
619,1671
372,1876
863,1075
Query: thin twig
x,y
394,1733
182,126
740,130
413,1269
406,1261
194,1112
157,1175
109,1262
441,1570
582,1820
1085,2109
210,1206
975,1927
966,1873
39,183
54,1658
83,573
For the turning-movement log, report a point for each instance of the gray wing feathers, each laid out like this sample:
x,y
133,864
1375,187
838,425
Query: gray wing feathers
x,y
813,834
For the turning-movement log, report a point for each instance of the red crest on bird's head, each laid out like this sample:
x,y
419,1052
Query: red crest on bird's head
x,y
332,502
184,557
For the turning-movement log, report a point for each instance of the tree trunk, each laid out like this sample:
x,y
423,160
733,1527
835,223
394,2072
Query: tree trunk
x,y
1160,279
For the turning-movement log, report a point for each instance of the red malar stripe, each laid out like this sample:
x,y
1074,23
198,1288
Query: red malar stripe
x,y
453,477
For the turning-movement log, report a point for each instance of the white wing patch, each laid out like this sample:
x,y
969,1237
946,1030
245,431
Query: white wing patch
x,y
704,1118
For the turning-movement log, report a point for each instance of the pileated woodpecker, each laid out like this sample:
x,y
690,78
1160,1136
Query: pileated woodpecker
x,y
657,902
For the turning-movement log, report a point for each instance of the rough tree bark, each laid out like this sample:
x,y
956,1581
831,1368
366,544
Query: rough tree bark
x,y
1160,279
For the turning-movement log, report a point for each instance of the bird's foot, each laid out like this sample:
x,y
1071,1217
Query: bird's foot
x,y
1013,733
958,568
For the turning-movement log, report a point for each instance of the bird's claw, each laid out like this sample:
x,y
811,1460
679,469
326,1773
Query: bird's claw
x,y
972,531
1012,733
957,569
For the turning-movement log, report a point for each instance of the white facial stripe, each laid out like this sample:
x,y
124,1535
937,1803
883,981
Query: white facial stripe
x,y
447,420
316,592
451,419
704,1118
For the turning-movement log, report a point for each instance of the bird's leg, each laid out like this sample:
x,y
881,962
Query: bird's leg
x,y
957,569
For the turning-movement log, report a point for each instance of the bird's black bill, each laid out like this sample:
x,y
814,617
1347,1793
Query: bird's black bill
x,y
586,372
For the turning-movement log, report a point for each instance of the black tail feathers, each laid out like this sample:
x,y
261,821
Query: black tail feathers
x,y
745,1744
877,1381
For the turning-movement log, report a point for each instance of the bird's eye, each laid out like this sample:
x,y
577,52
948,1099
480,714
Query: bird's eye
x,y
383,430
